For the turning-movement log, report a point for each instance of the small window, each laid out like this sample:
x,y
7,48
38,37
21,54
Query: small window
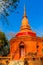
x,y
41,58
33,58
37,46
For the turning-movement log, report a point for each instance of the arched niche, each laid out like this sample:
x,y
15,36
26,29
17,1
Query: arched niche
x,y
22,49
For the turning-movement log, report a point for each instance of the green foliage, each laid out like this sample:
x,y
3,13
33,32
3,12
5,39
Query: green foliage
x,y
14,0
2,35
4,45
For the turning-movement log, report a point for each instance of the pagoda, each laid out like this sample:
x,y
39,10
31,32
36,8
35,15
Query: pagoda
x,y
26,44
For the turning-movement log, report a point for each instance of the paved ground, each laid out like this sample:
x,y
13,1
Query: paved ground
x,y
36,62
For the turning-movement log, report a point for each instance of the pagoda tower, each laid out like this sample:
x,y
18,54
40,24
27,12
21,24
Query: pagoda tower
x,y
25,27
26,44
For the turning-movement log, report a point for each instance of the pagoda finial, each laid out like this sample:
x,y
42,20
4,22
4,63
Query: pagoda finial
x,y
24,11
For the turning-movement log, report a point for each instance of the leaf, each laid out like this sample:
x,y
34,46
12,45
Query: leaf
x,y
4,45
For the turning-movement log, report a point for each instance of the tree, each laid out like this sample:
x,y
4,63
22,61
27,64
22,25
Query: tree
x,y
6,7
4,45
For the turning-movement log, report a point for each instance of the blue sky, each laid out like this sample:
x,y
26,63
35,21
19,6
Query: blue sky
x,y
34,11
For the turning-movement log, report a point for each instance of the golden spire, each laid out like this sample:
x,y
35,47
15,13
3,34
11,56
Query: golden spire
x,y
25,24
24,11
